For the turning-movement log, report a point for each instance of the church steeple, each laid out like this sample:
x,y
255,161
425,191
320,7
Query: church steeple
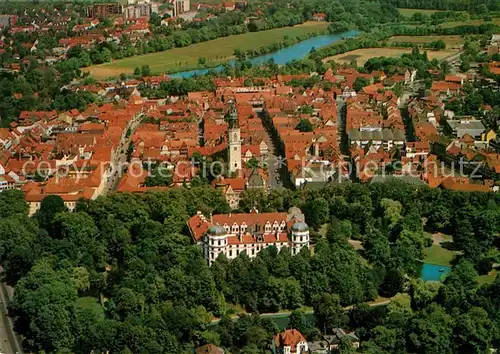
x,y
234,140
233,118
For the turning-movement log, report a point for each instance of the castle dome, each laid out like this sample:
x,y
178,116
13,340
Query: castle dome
x,y
300,227
294,211
217,230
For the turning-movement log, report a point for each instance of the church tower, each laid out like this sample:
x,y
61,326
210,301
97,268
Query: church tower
x,y
234,141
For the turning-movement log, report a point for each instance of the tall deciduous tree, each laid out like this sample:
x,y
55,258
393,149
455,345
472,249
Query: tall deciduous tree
x,y
328,312
49,207
12,203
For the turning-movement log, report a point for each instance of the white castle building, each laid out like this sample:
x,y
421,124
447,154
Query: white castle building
x,y
233,234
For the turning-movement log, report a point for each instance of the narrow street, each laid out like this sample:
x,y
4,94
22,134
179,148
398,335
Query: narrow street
x,y
275,163
341,124
273,166
119,158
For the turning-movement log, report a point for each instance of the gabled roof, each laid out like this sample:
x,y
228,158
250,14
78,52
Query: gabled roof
x,y
209,349
463,185
289,338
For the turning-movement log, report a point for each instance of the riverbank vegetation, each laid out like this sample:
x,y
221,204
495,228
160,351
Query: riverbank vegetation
x,y
154,293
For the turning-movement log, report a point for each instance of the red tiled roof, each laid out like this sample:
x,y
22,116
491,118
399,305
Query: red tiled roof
x,y
442,86
463,185
209,349
237,184
454,78
289,338
249,218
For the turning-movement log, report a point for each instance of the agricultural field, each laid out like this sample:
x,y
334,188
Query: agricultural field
x,y
411,12
363,55
450,41
216,51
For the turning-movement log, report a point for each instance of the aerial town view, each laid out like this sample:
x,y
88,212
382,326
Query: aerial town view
x,y
249,176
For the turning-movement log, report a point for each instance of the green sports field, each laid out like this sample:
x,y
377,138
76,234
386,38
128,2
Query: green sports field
x,y
216,51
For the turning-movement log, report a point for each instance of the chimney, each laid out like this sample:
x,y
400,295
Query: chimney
x,y
211,218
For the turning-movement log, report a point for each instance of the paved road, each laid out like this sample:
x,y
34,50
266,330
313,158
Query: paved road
x,y
273,166
275,163
341,124
10,342
119,159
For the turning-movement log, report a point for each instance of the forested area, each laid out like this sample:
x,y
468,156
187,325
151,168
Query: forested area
x,y
121,273
39,89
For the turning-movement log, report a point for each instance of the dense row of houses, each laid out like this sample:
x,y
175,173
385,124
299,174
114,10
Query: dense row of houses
x,y
229,124
243,126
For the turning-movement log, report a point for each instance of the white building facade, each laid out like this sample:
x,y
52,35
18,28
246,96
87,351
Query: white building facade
x,y
232,234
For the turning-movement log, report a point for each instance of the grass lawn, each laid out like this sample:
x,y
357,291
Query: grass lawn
x,y
438,255
487,278
363,55
410,12
234,309
92,305
323,229
450,41
216,51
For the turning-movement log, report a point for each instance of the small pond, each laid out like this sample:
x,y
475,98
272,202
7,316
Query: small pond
x,y
433,272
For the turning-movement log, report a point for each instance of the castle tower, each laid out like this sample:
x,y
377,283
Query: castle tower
x,y
299,237
215,243
234,141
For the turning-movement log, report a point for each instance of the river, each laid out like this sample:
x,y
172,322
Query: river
x,y
282,56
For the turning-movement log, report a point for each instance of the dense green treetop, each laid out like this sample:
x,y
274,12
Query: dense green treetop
x,y
121,273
